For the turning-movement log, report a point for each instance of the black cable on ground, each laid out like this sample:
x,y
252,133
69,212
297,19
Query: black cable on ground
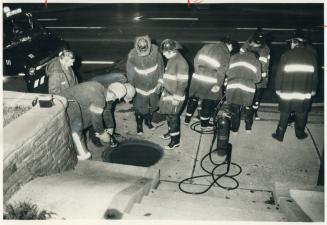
x,y
213,174
315,144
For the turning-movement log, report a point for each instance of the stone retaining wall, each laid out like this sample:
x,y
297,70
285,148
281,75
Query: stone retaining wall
x,y
38,143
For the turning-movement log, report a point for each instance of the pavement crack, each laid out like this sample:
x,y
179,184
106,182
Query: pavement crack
x,y
196,156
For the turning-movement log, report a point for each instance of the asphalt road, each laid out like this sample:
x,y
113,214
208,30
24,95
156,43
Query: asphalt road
x,y
103,34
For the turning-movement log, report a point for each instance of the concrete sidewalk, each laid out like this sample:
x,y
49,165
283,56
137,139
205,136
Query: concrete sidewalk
x,y
263,160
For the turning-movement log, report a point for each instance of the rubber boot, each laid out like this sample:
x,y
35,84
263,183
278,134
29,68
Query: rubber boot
x,y
279,135
148,121
187,119
174,142
139,124
300,134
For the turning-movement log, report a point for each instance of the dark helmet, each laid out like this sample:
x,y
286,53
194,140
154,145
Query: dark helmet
x,y
258,37
168,45
297,37
226,40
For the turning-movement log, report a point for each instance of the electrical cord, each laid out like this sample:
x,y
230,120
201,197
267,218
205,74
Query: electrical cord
x,y
215,176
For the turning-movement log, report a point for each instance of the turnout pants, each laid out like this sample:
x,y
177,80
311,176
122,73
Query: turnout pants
x,y
300,121
207,109
257,99
173,121
235,111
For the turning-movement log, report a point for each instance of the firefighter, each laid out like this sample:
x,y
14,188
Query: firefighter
x,y
144,69
296,83
243,73
60,72
86,108
174,81
210,65
257,43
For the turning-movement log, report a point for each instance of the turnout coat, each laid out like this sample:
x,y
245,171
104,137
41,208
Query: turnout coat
x,y
296,79
264,58
59,79
85,100
174,81
210,65
144,72
243,73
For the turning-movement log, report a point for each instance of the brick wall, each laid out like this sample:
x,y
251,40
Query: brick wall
x,y
38,143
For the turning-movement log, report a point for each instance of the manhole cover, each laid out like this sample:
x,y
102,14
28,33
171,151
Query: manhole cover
x,y
134,152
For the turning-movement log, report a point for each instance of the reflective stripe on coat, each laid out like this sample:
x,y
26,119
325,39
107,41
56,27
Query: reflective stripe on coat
x,y
296,79
243,73
144,72
210,65
175,81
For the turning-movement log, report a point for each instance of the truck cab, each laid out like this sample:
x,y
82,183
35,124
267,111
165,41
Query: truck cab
x,y
27,48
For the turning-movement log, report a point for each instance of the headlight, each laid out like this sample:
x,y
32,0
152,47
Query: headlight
x,y
31,71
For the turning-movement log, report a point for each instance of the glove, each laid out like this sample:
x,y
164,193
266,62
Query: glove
x,y
110,131
215,89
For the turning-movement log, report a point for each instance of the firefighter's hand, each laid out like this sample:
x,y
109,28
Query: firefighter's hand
x,y
110,131
215,89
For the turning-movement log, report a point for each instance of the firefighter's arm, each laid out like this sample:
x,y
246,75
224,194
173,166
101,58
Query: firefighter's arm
x,y
108,116
279,74
265,60
314,79
196,63
55,83
130,70
258,73
182,80
161,72
221,76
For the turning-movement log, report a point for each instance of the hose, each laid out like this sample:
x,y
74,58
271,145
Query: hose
x,y
212,173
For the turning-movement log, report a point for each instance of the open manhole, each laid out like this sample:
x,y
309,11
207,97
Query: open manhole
x,y
134,152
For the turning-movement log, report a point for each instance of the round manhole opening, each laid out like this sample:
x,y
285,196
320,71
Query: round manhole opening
x,y
134,152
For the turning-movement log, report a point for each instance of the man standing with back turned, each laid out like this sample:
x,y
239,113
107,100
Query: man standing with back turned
x,y
296,83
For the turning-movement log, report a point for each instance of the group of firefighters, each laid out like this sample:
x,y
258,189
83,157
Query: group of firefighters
x,y
154,86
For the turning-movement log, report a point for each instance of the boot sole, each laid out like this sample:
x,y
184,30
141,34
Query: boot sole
x,y
165,138
171,148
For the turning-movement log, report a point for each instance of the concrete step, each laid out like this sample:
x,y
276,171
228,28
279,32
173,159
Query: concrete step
x,y
282,189
88,191
311,203
247,195
190,210
292,211
165,197
98,168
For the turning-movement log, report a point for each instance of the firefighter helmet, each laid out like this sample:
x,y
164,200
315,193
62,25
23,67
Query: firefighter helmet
x,y
118,89
258,37
297,36
168,45
143,45
130,92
